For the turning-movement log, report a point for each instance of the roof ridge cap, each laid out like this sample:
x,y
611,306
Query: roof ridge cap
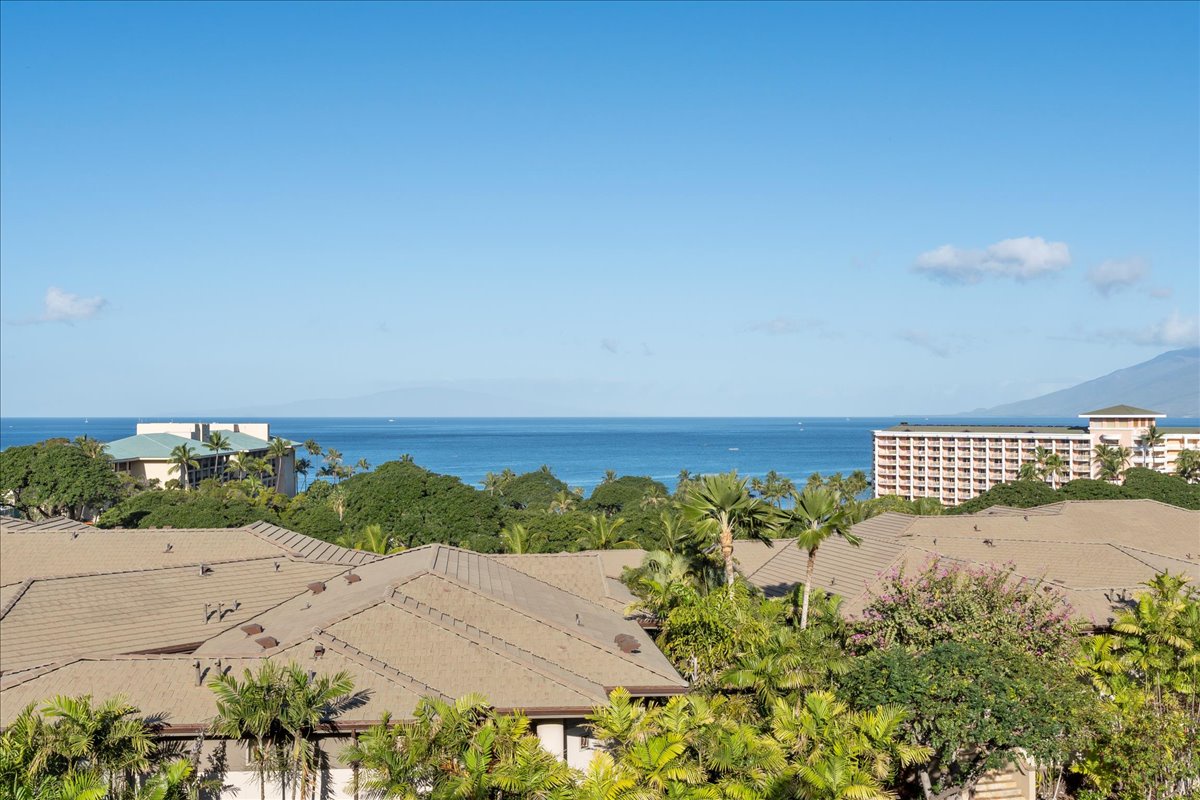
x,y
378,665
12,601
485,634
554,625
480,641
547,584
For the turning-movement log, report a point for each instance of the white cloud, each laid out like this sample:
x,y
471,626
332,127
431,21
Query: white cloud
x,y
1023,259
62,306
924,341
1119,274
1174,331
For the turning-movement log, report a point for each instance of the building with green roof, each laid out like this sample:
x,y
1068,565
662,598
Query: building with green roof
x,y
152,453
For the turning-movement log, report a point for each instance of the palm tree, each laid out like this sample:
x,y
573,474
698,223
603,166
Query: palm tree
x,y
303,467
1111,460
333,460
1149,443
563,502
1054,467
310,701
252,709
240,464
610,475
372,539
216,442
816,515
182,459
721,505
492,484
311,447
1029,471
90,447
601,534
362,465
518,540
108,740
279,449
1187,465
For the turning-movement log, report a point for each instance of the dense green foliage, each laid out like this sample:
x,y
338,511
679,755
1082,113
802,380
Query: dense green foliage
x,y
210,507
627,493
1139,484
531,490
55,478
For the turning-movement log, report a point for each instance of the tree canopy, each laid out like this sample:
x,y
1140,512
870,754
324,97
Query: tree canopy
x,y
56,478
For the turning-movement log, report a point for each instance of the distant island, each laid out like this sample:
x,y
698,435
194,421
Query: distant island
x,y
1168,383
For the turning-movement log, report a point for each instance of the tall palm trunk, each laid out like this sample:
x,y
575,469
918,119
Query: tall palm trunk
x,y
727,553
808,575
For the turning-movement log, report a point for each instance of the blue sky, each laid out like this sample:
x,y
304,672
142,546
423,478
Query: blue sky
x,y
594,209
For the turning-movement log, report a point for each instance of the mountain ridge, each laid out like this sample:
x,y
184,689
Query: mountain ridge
x,y
1168,383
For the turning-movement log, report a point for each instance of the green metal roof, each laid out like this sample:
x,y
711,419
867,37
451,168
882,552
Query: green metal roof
x,y
1122,411
158,446
1077,429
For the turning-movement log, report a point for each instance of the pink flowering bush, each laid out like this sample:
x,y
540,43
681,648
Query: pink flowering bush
x,y
953,603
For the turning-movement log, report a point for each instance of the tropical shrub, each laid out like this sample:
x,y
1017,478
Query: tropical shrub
x,y
977,704
953,603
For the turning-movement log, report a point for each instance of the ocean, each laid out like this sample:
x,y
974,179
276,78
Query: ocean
x,y
579,450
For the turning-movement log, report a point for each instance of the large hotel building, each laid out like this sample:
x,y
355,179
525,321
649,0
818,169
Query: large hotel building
x,y
954,463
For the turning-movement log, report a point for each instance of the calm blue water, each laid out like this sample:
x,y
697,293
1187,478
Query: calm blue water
x,y
579,450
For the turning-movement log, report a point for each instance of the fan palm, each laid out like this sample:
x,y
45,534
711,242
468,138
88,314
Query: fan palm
x,y
721,505
182,459
816,516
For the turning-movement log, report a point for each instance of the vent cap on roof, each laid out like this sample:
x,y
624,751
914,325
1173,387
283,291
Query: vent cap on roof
x,y
267,642
352,578
252,628
316,587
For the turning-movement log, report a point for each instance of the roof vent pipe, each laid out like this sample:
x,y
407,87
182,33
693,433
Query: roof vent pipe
x,y
199,673
168,548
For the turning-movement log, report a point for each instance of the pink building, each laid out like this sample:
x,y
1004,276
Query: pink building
x,y
954,463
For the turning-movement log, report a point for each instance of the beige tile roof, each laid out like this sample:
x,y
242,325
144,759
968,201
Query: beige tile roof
x,y
151,609
68,548
167,685
583,574
434,619
601,662
455,662
1094,552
